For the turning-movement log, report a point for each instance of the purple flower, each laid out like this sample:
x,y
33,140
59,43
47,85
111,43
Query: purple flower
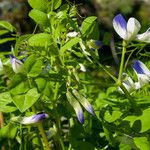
x,y
129,30
16,64
32,119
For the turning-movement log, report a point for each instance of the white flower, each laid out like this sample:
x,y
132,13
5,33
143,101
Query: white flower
x,y
128,30
143,74
72,34
82,67
127,83
16,64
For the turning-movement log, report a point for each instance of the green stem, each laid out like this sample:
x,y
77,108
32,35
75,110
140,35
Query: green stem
x,y
42,132
119,82
58,125
124,44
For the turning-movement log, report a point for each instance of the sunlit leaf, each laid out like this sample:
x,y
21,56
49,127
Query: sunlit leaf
x,y
38,4
39,17
142,143
40,39
7,25
25,101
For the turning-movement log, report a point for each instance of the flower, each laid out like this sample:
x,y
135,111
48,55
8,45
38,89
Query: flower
x,y
76,106
79,113
128,30
16,64
84,102
143,73
1,67
30,120
72,34
127,83
82,67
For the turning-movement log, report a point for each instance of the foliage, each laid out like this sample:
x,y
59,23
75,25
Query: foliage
x,y
85,109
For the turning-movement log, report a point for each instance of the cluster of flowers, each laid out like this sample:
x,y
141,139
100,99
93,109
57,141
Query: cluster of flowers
x,y
143,75
129,31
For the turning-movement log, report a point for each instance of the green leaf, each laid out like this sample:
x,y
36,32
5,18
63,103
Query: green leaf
x,y
20,88
69,44
29,62
39,17
112,117
6,40
142,143
56,3
124,147
8,131
36,69
39,4
87,24
41,39
25,101
144,120
7,25
145,123
2,32
41,83
5,101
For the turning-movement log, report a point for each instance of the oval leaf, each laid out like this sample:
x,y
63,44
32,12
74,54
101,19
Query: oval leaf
x,y
39,17
39,4
41,39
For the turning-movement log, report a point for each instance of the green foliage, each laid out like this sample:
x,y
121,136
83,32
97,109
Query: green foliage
x,y
61,75
39,17
39,4
41,39
25,101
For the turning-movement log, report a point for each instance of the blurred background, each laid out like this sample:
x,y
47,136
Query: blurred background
x,y
16,12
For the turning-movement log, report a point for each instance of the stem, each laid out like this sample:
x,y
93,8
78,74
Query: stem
x,y
1,125
119,83
45,140
42,132
1,120
124,44
57,124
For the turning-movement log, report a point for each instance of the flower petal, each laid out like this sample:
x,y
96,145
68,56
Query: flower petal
x,y
127,83
30,120
34,118
79,114
145,37
120,26
72,34
16,64
1,67
140,68
133,27
82,67
143,73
